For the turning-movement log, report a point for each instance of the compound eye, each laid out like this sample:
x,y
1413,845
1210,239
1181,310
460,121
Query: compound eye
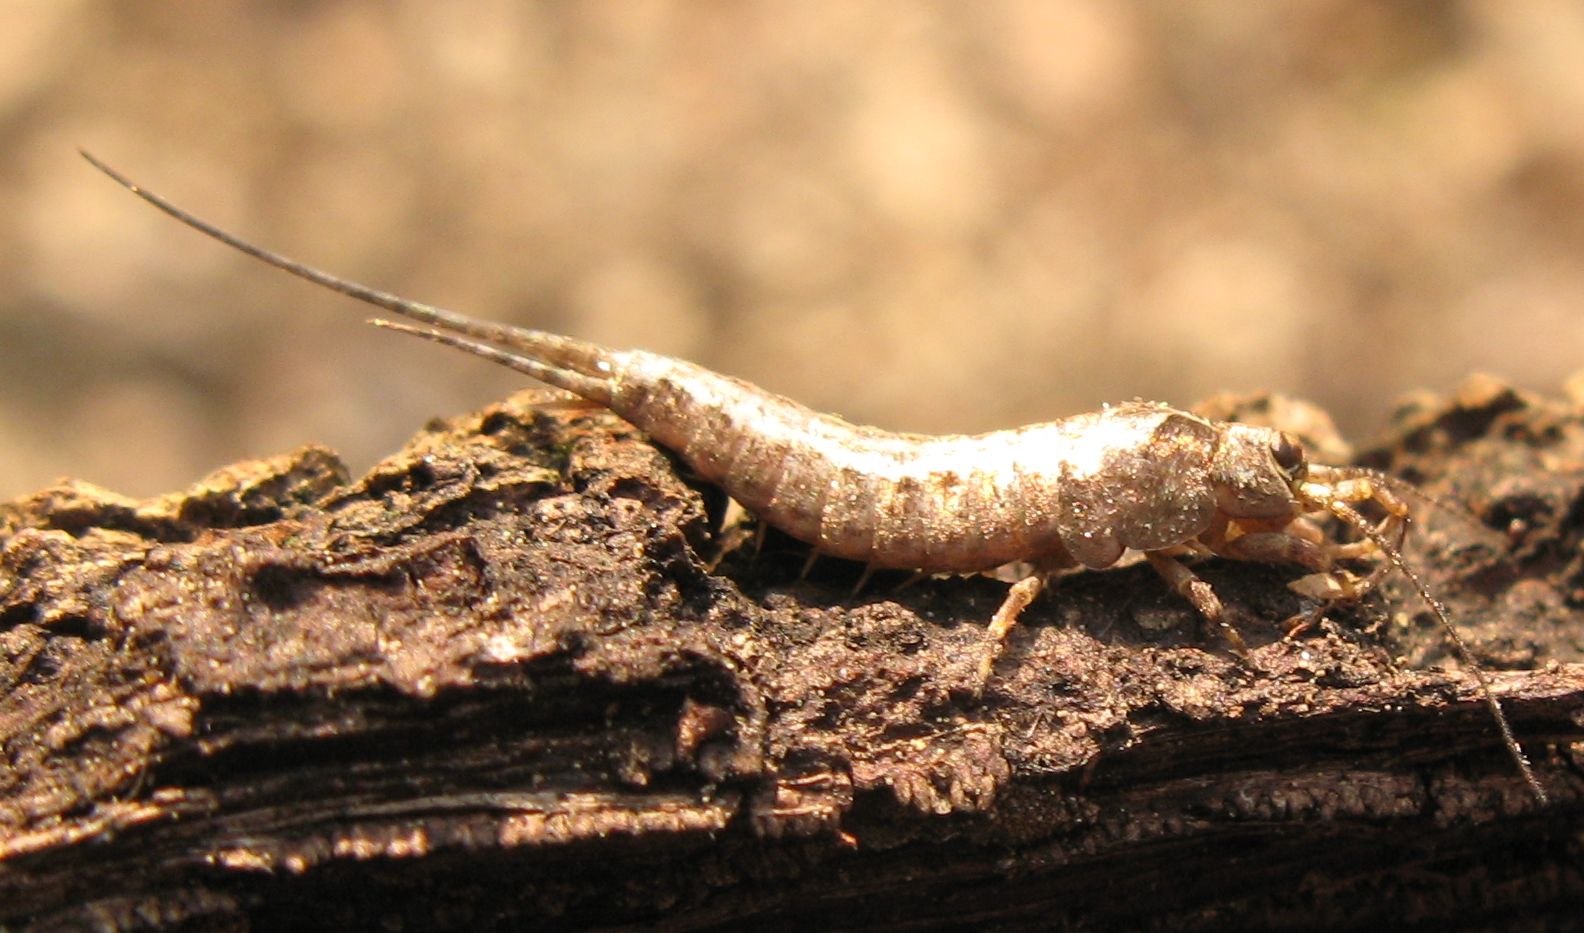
x,y
1289,455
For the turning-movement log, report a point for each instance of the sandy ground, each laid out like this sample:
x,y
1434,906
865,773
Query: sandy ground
x,y
933,217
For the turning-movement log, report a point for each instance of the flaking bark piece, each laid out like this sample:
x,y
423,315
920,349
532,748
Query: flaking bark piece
x,y
492,683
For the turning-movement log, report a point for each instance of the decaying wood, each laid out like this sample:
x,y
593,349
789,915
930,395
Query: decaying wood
x,y
497,683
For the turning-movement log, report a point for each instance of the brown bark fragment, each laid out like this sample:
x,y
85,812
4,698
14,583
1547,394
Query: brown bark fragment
x,y
493,684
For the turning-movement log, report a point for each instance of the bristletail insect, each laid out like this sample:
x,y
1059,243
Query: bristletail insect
x,y
1079,491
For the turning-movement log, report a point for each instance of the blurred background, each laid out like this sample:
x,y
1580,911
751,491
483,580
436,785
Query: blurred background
x,y
929,216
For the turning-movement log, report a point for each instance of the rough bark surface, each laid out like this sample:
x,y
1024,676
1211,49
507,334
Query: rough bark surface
x,y
500,682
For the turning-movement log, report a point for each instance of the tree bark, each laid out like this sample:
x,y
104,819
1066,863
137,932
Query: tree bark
x,y
501,681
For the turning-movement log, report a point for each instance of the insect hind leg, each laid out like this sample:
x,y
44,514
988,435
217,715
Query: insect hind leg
x,y
1017,599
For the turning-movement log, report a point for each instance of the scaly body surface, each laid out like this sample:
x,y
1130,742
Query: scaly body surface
x,y
1057,492
1080,491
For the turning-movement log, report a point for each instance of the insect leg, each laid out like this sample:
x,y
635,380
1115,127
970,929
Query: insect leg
x,y
863,578
808,564
1190,586
1277,547
1328,583
1330,488
1328,485
1017,599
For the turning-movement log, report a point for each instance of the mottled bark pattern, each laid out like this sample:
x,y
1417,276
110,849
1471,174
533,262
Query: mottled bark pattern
x,y
494,684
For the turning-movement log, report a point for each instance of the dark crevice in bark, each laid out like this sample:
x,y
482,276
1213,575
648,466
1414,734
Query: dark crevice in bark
x,y
508,679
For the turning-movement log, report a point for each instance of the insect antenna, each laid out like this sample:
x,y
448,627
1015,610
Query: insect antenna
x,y
1406,490
1352,517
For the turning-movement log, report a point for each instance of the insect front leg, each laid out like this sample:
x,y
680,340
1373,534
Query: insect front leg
x,y
1332,486
1297,540
1329,582
1304,544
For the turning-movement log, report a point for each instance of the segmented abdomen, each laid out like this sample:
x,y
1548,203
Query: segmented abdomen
x,y
894,500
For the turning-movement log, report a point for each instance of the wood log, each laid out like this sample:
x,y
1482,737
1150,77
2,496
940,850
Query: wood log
x,y
525,673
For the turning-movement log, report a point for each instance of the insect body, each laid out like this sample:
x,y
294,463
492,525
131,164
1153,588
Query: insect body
x,y
1080,491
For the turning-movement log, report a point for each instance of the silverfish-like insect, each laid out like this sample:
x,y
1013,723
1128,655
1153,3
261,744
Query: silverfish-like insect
x,y
1079,491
